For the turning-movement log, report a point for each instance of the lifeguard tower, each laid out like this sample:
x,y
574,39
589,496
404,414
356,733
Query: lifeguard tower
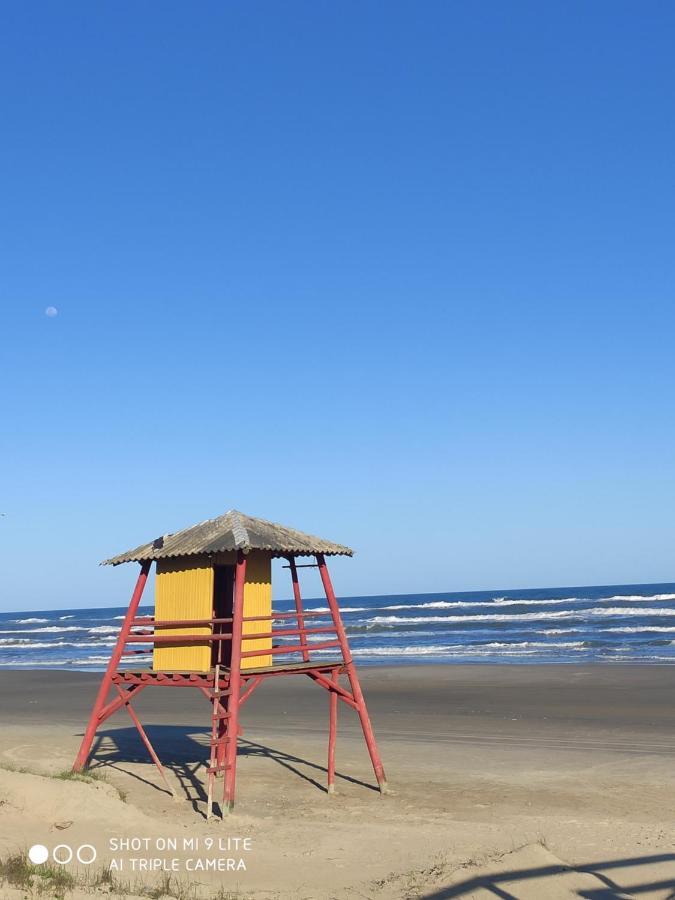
x,y
214,629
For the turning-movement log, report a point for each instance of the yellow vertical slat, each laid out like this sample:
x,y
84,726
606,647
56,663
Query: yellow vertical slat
x,y
257,602
183,590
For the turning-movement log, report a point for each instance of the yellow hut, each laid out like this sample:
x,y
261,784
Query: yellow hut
x,y
195,578
200,587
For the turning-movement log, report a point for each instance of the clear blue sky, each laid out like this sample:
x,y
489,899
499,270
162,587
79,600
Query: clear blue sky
x,y
400,274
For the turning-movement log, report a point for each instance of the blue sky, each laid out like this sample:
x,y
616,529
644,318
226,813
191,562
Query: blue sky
x,y
399,274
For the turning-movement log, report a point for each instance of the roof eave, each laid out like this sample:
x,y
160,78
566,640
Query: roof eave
x,y
276,553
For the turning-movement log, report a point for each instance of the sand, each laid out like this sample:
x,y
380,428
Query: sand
x,y
509,781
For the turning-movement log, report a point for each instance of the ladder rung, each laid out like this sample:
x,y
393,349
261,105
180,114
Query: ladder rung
x,y
221,715
215,742
218,771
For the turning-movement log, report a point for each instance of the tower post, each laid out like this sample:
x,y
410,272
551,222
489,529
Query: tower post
x,y
234,685
106,683
298,607
332,731
357,693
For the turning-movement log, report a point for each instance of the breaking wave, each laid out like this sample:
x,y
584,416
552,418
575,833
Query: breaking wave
x,y
52,629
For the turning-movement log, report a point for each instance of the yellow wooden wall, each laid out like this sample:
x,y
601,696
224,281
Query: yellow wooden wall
x,y
257,602
183,590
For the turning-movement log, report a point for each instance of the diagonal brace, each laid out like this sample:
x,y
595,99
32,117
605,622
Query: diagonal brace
x,y
125,700
333,687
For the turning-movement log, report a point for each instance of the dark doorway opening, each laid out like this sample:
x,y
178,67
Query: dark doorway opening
x,y
223,596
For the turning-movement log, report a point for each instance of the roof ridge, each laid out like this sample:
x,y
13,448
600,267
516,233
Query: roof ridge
x,y
239,532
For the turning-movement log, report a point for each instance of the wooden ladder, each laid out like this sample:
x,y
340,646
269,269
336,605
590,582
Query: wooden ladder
x,y
219,738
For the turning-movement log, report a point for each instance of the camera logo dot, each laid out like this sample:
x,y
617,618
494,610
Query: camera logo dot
x,y
38,854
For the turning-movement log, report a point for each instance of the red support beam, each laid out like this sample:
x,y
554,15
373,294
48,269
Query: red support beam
x,y
106,683
335,687
115,704
298,607
352,674
229,778
125,697
249,689
332,731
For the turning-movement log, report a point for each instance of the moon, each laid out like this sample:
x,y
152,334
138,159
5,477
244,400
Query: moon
x,y
51,311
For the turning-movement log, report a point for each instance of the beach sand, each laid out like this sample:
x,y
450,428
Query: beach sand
x,y
510,781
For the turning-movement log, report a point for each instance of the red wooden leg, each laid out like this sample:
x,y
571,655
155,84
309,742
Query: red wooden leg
x,y
332,730
357,693
125,696
106,683
235,686
298,607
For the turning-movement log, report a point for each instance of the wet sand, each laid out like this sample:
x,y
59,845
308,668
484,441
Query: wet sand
x,y
544,772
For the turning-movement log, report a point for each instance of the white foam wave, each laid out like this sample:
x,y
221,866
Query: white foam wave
x,y
516,617
452,650
47,645
36,662
51,629
559,630
437,604
326,609
641,629
548,645
553,601
104,629
629,611
639,597
496,601
642,659
30,645
402,651
66,617
28,621
596,612
86,661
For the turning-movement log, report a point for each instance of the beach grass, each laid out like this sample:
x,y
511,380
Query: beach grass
x,y
51,882
41,881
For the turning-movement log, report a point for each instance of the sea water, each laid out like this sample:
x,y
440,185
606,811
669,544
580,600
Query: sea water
x,y
618,623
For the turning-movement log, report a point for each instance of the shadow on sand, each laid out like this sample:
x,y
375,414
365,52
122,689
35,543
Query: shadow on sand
x,y
503,884
184,751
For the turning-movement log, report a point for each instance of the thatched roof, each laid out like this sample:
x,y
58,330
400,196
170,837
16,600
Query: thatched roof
x,y
232,531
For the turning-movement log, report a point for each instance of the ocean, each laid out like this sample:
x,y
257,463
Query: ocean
x,y
629,623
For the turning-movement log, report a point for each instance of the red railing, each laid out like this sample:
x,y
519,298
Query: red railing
x,y
285,649
152,637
